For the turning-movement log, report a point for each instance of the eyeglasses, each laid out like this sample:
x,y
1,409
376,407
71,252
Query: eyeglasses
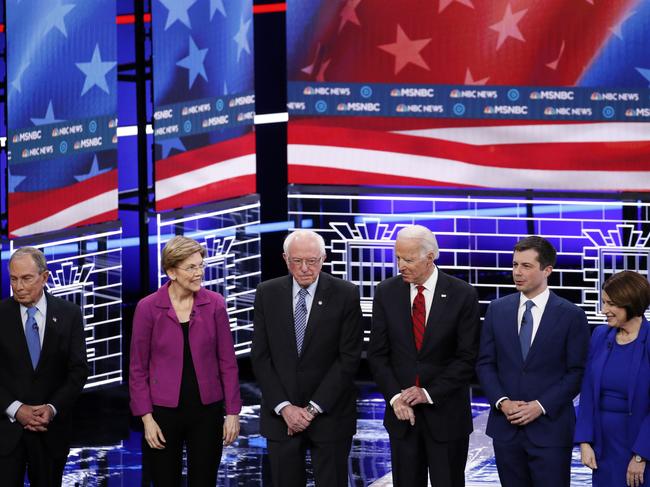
x,y
310,262
193,269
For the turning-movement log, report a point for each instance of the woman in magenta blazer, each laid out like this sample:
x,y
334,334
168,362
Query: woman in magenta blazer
x,y
613,426
183,372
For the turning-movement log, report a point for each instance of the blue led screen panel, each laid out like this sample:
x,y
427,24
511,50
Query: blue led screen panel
x,y
534,95
203,101
62,104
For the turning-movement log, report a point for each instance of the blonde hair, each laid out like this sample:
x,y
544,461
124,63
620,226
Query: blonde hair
x,y
178,249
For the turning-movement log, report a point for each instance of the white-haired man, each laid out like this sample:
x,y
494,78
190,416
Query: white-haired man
x,y
423,348
306,349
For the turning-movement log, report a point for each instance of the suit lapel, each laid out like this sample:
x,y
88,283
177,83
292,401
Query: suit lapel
x,y
50,332
637,355
600,360
438,306
549,317
19,332
403,297
318,304
512,326
285,310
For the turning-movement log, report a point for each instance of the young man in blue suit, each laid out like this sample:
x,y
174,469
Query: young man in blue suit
x,y
531,361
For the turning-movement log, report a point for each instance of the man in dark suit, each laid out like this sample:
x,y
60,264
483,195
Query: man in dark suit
x,y
531,361
306,349
423,347
42,371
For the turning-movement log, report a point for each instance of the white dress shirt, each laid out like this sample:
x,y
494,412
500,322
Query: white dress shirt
x,y
39,316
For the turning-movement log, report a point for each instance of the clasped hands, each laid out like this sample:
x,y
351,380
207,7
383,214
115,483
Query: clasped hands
x,y
403,405
297,418
521,413
34,418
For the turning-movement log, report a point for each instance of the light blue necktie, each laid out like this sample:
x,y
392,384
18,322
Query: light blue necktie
x,y
31,333
300,318
526,330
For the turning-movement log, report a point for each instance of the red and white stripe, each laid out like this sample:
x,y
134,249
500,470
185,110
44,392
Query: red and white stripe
x,y
91,201
216,172
572,156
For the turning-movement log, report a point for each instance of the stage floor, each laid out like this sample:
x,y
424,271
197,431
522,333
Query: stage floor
x,y
100,460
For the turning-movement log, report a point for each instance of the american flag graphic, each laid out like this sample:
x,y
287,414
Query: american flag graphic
x,y
61,75
202,49
594,44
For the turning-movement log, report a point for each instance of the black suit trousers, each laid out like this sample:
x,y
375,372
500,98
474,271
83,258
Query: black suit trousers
x,y
417,454
329,460
31,454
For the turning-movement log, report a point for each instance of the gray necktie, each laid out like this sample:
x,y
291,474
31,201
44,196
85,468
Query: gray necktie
x,y
300,318
526,330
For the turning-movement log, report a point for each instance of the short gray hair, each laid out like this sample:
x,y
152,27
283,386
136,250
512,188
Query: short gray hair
x,y
37,256
303,233
427,239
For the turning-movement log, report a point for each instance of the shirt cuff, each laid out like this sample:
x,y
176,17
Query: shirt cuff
x,y
53,409
427,395
542,407
500,400
318,408
12,410
393,399
279,407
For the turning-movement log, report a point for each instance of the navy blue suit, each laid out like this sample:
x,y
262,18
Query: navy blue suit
x,y
551,374
588,426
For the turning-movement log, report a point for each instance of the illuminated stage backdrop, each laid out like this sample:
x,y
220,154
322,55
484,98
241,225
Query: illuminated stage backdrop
x,y
505,93
61,103
204,101
476,235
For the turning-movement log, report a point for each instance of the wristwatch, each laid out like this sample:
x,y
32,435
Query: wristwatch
x,y
312,410
639,459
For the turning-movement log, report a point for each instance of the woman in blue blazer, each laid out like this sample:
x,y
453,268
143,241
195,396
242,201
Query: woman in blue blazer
x,y
613,426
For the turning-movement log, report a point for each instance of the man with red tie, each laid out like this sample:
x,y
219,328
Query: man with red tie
x,y
422,353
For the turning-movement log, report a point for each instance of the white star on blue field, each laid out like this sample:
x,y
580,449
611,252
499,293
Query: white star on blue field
x,y
194,62
48,118
94,171
178,12
95,71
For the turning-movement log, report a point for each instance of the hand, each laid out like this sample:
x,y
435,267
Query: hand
x,y
526,413
152,433
230,429
297,419
509,407
403,411
588,456
27,417
634,474
414,395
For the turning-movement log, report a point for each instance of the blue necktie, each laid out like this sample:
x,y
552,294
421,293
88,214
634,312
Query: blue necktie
x,y
526,330
300,318
31,333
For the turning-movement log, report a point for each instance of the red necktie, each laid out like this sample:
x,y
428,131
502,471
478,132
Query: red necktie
x,y
418,316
